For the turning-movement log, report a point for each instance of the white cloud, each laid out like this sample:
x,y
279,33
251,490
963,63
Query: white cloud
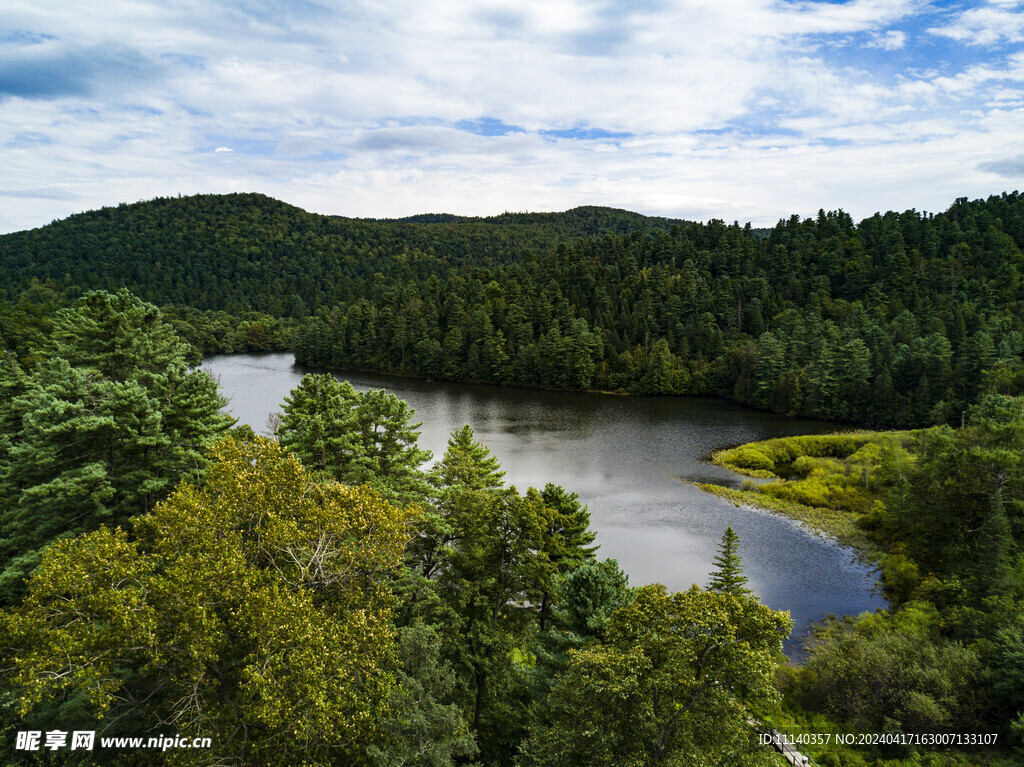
x,y
855,16
892,40
731,108
1000,21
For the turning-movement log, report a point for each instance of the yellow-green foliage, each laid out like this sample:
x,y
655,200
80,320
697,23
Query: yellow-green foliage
x,y
845,472
262,597
765,455
833,482
747,459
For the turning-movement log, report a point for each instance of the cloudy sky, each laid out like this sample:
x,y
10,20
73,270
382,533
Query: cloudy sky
x,y
746,110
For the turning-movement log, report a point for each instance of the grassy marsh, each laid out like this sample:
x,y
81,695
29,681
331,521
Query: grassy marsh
x,y
834,483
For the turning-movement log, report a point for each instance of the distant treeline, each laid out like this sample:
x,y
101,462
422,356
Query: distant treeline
x,y
904,319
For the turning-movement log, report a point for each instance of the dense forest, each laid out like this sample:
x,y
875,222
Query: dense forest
x,y
321,598
904,319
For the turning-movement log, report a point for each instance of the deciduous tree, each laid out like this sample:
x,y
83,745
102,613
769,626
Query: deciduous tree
x,y
254,610
671,684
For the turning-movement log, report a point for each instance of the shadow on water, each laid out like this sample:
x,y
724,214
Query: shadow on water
x,y
624,457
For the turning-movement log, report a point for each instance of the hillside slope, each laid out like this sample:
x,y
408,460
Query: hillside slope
x,y
904,319
244,252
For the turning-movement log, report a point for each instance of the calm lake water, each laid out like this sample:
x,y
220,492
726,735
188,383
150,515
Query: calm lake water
x,y
625,457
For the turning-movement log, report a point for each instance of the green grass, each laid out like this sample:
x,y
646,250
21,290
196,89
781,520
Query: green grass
x,y
830,482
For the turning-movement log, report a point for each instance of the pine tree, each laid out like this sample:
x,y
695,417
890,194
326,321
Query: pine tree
x,y
390,457
568,530
991,570
354,438
467,463
566,540
729,577
420,728
318,424
103,425
463,477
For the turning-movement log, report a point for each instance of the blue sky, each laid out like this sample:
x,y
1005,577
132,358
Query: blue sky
x,y
748,110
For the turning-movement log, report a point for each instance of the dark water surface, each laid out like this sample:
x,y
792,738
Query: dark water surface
x,y
624,457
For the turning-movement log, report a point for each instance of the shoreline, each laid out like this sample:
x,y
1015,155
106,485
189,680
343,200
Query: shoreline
x,y
835,525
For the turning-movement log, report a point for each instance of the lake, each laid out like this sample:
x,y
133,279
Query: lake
x,y
625,457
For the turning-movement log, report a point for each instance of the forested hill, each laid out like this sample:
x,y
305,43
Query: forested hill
x,y
587,220
243,252
904,319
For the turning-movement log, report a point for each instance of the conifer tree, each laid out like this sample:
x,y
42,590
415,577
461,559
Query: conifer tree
x,y
468,464
729,577
318,424
102,426
589,593
991,565
421,729
390,457
355,439
566,541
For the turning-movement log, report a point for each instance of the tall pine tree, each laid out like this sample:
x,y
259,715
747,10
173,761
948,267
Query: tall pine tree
x,y
729,577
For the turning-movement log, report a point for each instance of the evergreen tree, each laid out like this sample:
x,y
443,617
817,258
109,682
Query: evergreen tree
x,y
494,569
108,420
466,469
467,464
355,438
589,594
421,728
389,458
992,564
729,577
318,424
566,540
116,335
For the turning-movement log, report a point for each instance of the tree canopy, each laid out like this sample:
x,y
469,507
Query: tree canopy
x,y
255,609
671,684
102,422
355,438
903,319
